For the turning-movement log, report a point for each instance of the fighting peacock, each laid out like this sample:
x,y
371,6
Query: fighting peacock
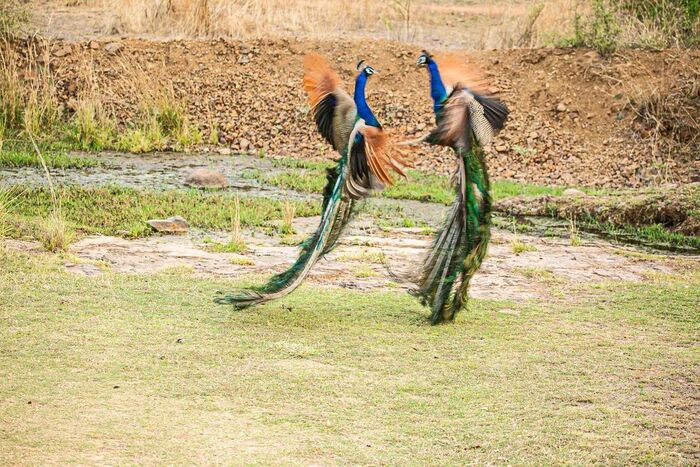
x,y
466,120
365,163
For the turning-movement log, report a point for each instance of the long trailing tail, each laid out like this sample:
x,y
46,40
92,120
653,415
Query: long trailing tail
x,y
460,245
336,213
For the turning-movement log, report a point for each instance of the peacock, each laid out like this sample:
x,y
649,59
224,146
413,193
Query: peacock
x,y
466,120
366,161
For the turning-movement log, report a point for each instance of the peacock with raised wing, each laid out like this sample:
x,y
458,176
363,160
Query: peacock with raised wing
x,y
467,119
365,164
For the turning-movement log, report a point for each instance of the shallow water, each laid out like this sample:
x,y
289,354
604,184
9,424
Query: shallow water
x,y
157,171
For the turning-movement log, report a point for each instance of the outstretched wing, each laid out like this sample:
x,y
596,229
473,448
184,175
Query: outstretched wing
x,y
457,68
371,160
467,115
333,109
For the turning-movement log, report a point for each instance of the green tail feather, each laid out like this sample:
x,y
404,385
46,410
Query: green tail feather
x,y
460,245
336,213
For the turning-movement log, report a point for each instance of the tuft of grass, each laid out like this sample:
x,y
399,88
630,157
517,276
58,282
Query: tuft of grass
x,y
518,246
54,233
93,130
213,129
364,272
28,107
600,30
13,18
574,238
237,243
146,136
8,198
242,261
288,212
535,273
187,136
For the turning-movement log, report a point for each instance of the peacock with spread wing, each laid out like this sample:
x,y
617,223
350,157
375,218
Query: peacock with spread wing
x,y
365,164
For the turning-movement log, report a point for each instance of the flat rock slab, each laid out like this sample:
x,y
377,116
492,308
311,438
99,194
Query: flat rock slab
x,y
503,276
175,224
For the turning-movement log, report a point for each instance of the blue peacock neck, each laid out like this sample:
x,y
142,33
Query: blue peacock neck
x,y
363,110
437,87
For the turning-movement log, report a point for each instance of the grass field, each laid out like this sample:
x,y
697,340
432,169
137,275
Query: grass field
x,y
133,369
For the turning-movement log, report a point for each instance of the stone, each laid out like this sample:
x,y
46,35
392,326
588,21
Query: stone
x,y
94,45
62,52
501,148
244,144
225,151
205,178
243,59
561,107
113,48
175,224
573,193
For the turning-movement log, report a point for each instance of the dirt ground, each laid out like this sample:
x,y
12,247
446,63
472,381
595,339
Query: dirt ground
x,y
576,117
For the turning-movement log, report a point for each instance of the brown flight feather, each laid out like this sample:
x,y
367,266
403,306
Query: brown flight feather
x,y
319,78
458,68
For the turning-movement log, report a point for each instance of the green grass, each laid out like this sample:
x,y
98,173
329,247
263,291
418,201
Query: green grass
x,y
650,234
124,211
24,156
145,369
231,246
419,185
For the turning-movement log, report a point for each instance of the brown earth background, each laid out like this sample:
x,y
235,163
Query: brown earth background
x,y
577,118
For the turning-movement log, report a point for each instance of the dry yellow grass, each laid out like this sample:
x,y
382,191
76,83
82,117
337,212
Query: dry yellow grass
x,y
480,25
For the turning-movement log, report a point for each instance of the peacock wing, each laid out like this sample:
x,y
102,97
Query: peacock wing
x,y
467,115
372,159
333,109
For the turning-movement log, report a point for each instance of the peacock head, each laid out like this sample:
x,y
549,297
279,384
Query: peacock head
x,y
424,59
362,67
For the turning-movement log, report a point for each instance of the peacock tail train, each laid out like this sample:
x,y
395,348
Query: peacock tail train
x,y
466,120
460,245
337,211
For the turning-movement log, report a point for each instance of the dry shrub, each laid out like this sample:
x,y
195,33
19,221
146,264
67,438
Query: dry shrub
x,y
254,18
488,25
28,101
659,23
161,118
